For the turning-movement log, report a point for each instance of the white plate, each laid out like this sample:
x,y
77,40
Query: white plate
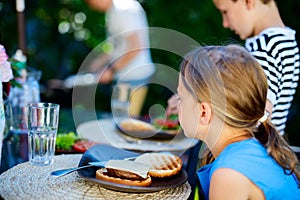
x,y
104,131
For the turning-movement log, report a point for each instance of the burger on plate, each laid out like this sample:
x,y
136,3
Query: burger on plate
x,y
125,172
169,124
140,171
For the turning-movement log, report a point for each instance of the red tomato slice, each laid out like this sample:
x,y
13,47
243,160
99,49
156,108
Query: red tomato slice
x,y
82,146
168,124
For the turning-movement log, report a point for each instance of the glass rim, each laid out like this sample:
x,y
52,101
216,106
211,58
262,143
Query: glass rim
x,y
43,105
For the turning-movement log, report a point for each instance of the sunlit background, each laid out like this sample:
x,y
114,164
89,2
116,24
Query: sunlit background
x,y
59,35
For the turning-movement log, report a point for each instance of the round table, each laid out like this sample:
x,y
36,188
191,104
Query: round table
x,y
25,181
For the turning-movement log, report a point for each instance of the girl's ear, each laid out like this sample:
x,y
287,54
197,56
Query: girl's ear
x,y
205,113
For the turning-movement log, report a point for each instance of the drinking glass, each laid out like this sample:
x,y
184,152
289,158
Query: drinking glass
x,y
42,129
120,102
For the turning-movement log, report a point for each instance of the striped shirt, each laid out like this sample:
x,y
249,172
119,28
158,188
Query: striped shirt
x,y
277,51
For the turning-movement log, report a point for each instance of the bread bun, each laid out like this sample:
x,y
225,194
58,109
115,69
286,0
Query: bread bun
x,y
161,165
173,132
135,125
125,172
102,174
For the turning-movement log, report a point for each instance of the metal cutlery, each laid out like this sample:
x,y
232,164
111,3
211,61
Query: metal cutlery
x,y
101,164
63,172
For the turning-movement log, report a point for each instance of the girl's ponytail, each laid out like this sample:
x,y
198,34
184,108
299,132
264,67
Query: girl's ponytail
x,y
278,148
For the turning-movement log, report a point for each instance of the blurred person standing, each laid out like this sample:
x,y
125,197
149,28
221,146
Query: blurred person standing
x,y
129,60
126,57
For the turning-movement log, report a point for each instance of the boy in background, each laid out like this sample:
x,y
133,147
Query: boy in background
x,y
272,44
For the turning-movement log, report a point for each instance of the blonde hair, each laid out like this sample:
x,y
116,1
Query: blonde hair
x,y
233,82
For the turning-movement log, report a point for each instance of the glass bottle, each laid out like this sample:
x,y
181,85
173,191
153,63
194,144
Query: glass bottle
x,y
15,143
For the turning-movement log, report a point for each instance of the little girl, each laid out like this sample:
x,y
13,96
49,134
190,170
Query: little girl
x,y
222,94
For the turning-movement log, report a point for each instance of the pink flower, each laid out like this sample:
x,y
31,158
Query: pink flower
x,y
5,66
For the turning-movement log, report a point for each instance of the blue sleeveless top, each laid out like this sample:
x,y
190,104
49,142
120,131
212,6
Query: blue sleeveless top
x,y
251,159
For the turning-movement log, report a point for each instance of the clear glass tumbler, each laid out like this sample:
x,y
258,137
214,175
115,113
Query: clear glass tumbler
x,y
42,129
120,102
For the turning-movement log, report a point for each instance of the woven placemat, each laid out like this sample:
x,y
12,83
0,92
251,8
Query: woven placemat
x,y
32,182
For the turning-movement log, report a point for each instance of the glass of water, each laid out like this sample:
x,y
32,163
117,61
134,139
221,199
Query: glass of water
x,y
120,102
42,129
